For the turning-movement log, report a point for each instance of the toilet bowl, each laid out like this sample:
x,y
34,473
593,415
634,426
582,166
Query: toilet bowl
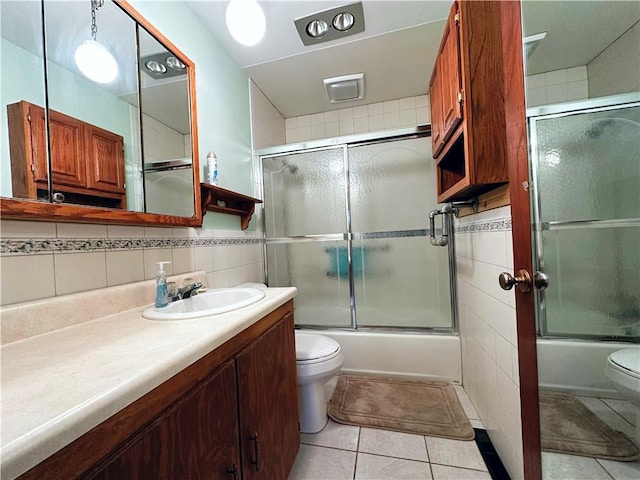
x,y
623,369
318,359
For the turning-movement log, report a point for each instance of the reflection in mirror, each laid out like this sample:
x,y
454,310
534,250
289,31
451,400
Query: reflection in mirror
x,y
583,99
22,71
168,166
96,129
94,141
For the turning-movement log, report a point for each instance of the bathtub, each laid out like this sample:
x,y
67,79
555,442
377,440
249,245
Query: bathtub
x,y
406,355
577,366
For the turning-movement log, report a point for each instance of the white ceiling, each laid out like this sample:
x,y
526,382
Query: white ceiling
x,y
397,48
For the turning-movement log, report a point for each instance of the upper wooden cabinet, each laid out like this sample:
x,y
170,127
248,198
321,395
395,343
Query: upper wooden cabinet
x,y
87,162
467,99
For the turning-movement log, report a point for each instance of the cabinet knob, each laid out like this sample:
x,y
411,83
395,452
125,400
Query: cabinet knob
x,y
58,197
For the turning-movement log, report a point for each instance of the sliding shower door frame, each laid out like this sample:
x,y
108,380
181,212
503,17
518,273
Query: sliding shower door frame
x,y
345,143
535,115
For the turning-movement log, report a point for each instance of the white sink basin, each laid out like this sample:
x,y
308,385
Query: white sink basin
x,y
212,302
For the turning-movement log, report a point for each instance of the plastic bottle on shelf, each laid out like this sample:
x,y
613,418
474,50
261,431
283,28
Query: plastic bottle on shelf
x,y
212,168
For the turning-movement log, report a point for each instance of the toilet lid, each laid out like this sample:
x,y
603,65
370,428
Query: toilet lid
x,y
310,346
627,360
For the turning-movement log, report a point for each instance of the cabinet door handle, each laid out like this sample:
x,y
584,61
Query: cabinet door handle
x,y
233,470
256,450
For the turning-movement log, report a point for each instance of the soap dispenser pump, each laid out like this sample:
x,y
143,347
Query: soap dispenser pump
x,y
162,297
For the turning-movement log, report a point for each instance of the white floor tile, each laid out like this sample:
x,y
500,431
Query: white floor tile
x,y
393,444
622,470
443,472
556,466
468,407
375,467
625,409
608,416
334,435
455,453
319,463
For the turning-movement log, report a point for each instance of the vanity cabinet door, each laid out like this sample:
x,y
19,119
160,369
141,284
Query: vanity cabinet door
x,y
196,438
268,401
105,160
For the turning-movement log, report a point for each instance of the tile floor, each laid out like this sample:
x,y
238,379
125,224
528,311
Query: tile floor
x,y
348,452
620,415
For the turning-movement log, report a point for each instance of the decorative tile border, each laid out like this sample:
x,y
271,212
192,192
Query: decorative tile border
x,y
501,224
18,246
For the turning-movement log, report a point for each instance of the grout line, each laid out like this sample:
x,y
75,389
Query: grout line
x,y
615,412
618,413
464,468
605,469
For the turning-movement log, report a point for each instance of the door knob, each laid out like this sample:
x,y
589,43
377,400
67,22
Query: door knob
x,y
522,280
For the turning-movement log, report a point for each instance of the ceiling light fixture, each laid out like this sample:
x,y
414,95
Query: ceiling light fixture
x,y
317,28
332,24
93,59
343,21
245,21
174,63
162,65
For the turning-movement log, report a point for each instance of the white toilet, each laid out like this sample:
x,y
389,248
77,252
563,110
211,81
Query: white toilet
x,y
318,359
623,369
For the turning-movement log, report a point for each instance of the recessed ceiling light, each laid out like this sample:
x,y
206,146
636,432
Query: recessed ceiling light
x,y
343,21
317,28
155,67
175,63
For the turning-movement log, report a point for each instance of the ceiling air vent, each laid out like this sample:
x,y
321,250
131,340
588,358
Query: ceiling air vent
x,y
345,88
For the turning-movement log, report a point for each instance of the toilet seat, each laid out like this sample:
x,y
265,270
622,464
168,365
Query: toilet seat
x,y
312,348
626,361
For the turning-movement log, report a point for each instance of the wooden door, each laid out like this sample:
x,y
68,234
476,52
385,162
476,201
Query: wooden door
x,y
196,438
268,402
516,144
105,160
66,138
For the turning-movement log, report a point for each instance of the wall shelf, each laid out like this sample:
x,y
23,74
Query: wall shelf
x,y
216,199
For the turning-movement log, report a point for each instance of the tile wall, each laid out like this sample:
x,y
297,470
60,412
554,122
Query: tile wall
x,y
405,112
615,70
558,86
488,330
42,259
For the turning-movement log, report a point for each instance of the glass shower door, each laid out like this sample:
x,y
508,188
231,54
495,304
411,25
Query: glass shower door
x,y
586,173
305,229
399,279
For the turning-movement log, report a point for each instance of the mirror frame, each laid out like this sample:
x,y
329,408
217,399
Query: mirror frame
x,y
24,209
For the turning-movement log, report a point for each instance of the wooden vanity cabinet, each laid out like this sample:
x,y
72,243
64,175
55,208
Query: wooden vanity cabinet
x,y
87,162
195,438
231,415
467,101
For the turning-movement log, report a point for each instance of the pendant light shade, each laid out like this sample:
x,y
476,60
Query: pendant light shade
x,y
96,62
245,21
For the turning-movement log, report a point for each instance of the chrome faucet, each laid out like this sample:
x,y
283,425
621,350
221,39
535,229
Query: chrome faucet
x,y
187,291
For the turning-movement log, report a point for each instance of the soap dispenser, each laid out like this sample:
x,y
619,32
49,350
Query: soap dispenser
x,y
162,297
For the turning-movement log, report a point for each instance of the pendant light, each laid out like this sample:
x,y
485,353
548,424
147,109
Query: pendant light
x,y
245,21
92,58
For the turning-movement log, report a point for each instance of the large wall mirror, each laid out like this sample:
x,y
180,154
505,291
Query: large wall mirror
x,y
582,68
114,140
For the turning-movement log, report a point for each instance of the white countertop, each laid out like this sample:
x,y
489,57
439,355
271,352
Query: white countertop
x,y
58,386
